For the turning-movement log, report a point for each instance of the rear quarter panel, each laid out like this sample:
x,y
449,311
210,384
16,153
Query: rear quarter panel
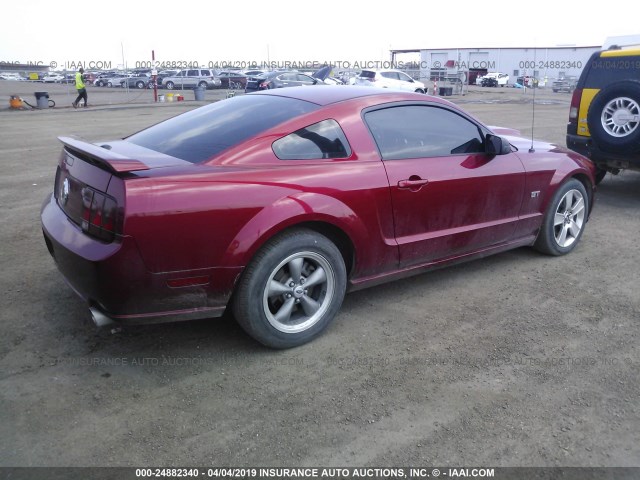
x,y
220,213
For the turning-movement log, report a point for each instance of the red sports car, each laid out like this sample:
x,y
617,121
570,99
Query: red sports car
x,y
275,204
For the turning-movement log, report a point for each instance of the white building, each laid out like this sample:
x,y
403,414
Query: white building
x,y
467,63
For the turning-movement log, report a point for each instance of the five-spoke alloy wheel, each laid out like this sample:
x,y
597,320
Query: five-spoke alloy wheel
x,y
291,290
565,219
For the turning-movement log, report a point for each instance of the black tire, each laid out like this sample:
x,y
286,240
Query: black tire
x,y
279,309
139,84
203,84
419,90
567,212
109,84
606,133
169,85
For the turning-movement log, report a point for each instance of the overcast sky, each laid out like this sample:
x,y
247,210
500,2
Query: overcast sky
x,y
284,30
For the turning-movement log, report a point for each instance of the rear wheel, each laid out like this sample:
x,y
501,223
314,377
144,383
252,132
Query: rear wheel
x,y
203,84
139,84
614,117
291,290
564,220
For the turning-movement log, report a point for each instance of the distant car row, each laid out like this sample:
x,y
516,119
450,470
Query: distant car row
x,y
175,79
393,79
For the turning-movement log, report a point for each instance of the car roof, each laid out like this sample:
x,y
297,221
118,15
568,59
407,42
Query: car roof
x,y
328,94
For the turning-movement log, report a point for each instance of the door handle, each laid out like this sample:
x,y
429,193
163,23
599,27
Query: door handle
x,y
413,183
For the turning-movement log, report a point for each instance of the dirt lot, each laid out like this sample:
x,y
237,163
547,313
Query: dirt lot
x,y
515,360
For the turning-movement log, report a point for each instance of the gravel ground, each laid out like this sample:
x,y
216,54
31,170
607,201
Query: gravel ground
x,y
514,360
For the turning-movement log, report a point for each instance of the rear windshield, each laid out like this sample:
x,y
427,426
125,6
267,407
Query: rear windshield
x,y
202,133
367,74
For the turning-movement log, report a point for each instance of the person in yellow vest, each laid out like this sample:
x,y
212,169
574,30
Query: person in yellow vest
x,y
82,91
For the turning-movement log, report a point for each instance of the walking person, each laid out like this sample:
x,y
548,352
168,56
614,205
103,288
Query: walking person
x,y
82,91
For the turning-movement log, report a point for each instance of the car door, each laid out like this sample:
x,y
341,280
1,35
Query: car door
x,y
306,80
287,80
449,197
390,79
191,78
406,81
179,78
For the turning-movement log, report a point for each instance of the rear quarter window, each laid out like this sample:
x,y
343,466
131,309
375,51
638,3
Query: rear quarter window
x,y
321,140
202,133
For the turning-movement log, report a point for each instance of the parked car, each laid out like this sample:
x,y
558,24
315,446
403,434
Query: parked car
x,y
53,78
501,79
489,82
232,80
564,84
119,80
282,79
102,79
12,76
276,203
162,75
604,117
390,79
140,80
191,78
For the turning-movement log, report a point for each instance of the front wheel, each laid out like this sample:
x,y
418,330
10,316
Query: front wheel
x,y
565,219
291,290
169,85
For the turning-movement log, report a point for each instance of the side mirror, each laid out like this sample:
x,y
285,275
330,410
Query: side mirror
x,y
495,145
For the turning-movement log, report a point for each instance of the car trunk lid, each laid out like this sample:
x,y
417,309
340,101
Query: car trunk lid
x,y
89,185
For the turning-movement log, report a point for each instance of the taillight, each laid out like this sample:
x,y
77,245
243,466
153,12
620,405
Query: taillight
x,y
264,85
574,109
98,214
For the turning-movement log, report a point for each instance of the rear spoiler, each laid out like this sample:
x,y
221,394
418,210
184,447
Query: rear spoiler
x,y
114,162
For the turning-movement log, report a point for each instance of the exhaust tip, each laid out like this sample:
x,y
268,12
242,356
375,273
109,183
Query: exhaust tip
x,y
99,318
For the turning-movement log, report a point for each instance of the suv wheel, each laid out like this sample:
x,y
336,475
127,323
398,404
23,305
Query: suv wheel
x,y
614,117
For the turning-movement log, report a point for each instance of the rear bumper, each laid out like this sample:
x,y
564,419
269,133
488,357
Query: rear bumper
x,y
115,283
586,147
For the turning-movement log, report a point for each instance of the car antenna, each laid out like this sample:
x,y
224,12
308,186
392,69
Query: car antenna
x,y
533,106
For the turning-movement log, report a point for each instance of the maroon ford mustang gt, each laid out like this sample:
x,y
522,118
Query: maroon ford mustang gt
x,y
276,203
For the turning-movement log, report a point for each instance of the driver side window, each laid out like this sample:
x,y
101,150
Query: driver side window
x,y
415,131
